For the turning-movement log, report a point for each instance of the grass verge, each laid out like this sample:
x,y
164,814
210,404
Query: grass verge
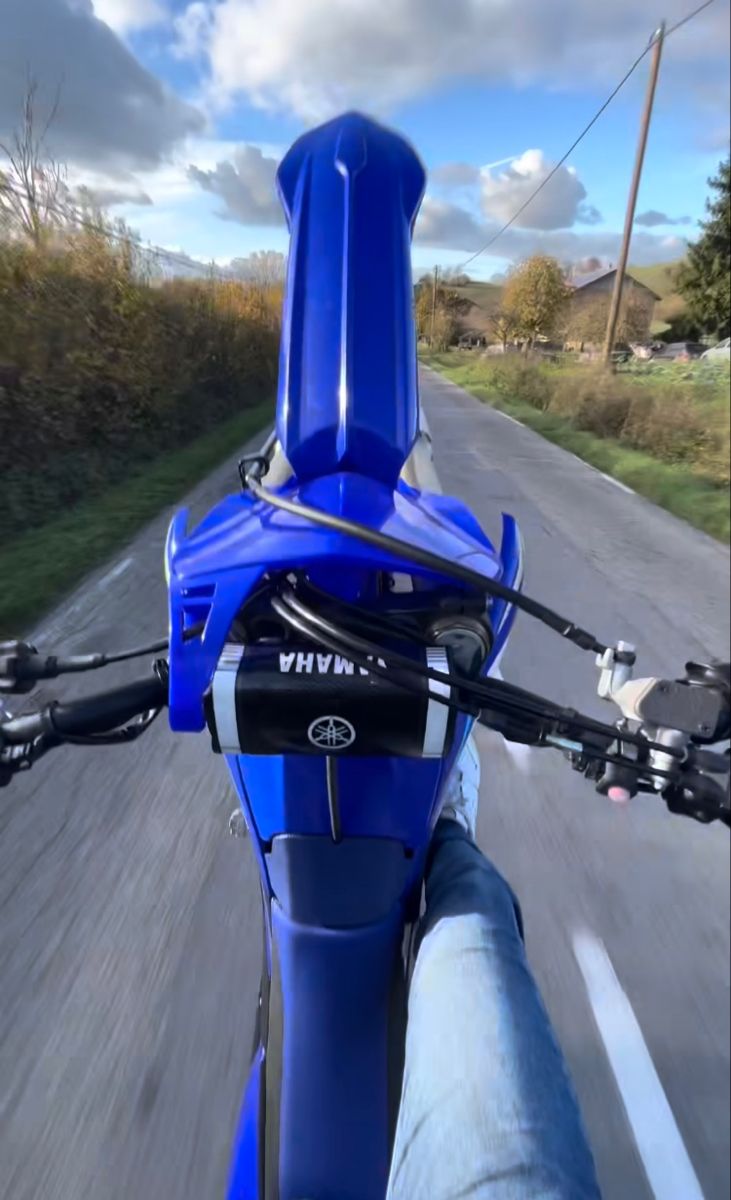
x,y
39,567
674,486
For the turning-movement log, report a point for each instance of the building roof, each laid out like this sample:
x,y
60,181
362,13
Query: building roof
x,y
582,281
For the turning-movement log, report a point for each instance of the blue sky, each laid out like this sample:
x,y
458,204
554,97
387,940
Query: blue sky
x,y
221,87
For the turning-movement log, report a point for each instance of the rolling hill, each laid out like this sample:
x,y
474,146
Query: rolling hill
x,y
661,278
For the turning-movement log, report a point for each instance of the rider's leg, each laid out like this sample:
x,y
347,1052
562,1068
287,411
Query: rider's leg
x,y
487,1107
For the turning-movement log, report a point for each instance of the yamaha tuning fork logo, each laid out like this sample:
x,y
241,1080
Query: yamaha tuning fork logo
x,y
331,733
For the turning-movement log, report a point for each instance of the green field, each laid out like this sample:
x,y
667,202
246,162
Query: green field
x,y
485,297
662,279
40,566
665,433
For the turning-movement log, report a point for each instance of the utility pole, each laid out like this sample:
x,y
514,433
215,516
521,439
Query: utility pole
x,y
433,307
658,39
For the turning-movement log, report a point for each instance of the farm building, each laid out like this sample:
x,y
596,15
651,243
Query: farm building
x,y
590,303
584,321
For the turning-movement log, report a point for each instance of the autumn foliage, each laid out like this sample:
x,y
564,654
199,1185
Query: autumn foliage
x,y
103,367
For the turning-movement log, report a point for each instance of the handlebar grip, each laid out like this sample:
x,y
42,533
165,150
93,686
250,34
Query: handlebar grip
x,y
107,710
92,714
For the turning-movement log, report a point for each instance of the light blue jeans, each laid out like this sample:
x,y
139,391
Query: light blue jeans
x,y
487,1108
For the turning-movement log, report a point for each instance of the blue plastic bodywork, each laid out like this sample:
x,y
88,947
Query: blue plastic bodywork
x,y
314,1120
348,397
213,571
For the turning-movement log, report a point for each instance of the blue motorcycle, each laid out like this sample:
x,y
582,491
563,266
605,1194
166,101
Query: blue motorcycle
x,y
337,625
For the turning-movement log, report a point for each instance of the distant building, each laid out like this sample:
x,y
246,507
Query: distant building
x,y
597,287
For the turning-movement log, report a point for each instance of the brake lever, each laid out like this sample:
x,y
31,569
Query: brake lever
x,y
18,757
18,662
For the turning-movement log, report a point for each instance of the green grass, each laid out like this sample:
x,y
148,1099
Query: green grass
x,y
673,486
39,567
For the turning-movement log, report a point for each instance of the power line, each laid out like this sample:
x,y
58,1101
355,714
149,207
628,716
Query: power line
x,y
113,235
491,241
689,17
558,165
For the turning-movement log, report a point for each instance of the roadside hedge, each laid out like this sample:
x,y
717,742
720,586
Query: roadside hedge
x,y
102,369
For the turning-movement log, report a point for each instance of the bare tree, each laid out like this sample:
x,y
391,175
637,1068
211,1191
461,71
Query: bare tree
x,y
266,268
34,198
504,326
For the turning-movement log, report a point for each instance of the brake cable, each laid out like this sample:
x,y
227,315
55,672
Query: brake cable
x,y
366,661
21,664
433,562
363,654
28,666
486,691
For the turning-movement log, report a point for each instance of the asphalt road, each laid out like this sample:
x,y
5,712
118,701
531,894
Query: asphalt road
x,y
129,923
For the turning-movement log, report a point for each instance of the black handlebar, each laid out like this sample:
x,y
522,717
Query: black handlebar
x,y
600,752
101,719
89,716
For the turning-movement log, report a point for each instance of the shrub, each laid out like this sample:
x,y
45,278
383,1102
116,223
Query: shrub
x,y
593,401
674,415
676,427
513,375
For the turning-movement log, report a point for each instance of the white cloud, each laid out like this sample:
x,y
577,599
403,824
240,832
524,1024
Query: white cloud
x,y
652,217
499,194
245,184
113,113
192,29
559,205
112,197
450,227
126,16
316,57
169,188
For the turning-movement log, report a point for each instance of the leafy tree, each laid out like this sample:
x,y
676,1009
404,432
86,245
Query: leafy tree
x,y
423,307
446,328
705,280
450,308
682,328
537,294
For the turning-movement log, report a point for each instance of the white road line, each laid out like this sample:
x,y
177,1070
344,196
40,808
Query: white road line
x,y
50,627
509,418
609,478
668,1168
622,486
115,572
